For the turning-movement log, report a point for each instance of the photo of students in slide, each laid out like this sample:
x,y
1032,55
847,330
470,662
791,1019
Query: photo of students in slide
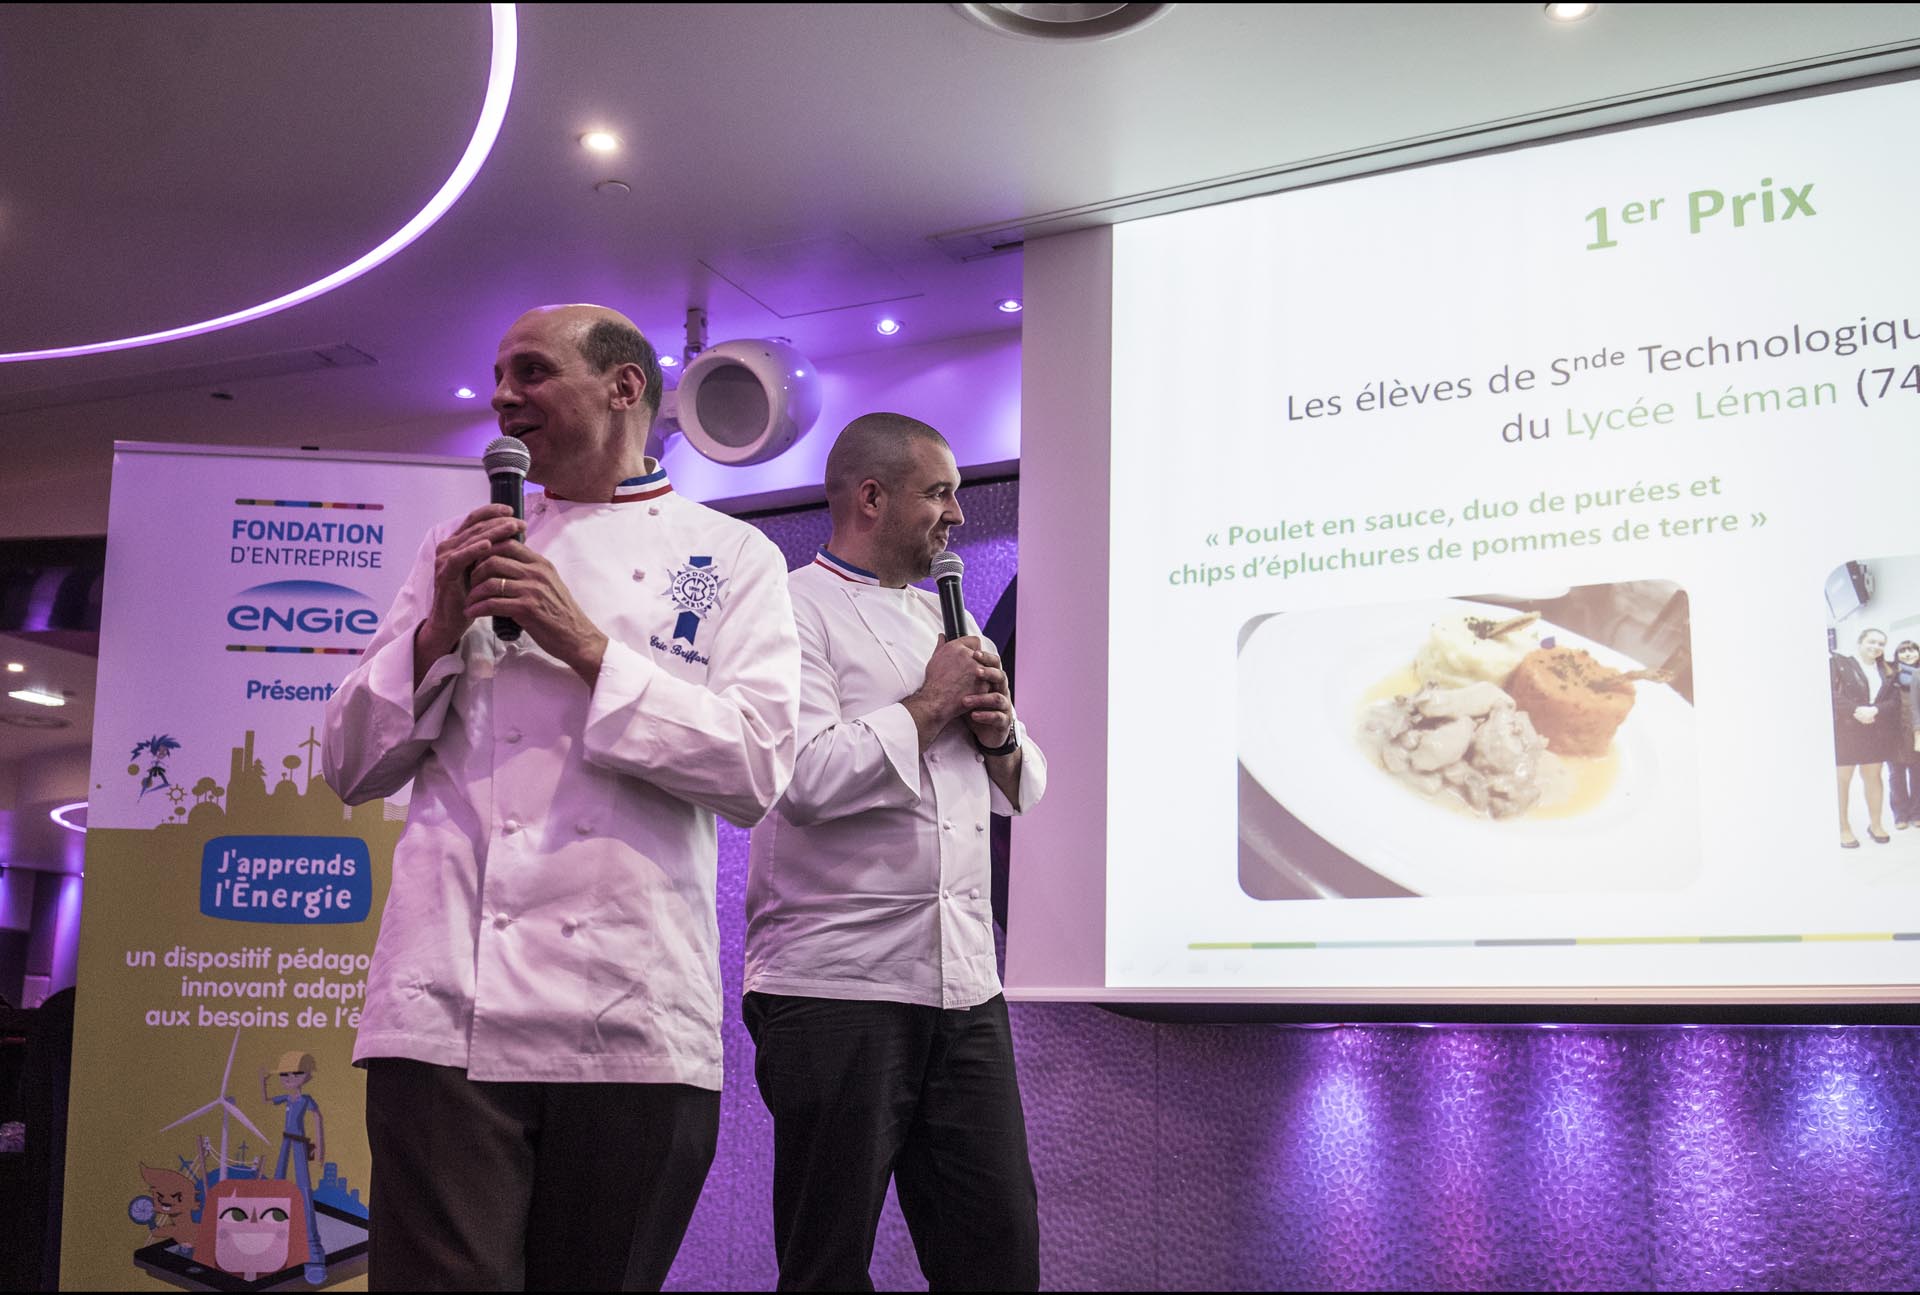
x,y
1499,743
1873,622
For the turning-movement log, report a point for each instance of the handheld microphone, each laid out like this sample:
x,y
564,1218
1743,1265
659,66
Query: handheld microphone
x,y
506,461
953,613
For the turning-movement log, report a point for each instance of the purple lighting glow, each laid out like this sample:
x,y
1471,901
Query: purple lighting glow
x,y
492,112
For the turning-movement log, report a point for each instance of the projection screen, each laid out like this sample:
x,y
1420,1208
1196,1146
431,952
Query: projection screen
x,y
1482,582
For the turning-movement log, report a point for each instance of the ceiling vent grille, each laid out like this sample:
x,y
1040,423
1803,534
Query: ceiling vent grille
x,y
221,375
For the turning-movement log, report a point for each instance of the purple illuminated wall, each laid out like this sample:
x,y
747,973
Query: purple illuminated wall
x,y
1390,1157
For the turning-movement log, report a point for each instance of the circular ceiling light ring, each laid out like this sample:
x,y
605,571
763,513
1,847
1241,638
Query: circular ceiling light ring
x,y
65,817
493,111
1063,22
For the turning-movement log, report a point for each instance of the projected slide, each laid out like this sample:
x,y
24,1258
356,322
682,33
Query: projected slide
x,y
1515,575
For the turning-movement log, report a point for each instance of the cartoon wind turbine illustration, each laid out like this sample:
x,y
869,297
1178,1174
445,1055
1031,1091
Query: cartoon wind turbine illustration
x,y
227,1107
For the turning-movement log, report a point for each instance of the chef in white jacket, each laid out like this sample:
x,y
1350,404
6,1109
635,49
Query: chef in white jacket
x,y
883,1046
542,1025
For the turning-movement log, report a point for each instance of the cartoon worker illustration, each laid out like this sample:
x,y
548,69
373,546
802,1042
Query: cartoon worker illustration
x,y
295,1070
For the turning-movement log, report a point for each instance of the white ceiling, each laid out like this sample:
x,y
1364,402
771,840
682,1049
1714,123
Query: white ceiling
x,y
162,164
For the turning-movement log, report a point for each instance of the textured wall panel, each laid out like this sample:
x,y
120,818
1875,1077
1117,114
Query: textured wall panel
x,y
1393,1157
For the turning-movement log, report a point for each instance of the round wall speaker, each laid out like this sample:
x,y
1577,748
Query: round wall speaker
x,y
747,401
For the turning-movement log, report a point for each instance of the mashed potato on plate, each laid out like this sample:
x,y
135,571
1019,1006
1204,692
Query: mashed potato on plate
x,y
1472,648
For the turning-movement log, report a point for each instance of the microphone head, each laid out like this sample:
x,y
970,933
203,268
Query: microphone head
x,y
948,564
506,454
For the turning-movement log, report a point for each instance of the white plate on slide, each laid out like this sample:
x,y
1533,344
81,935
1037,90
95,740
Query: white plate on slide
x,y
1304,678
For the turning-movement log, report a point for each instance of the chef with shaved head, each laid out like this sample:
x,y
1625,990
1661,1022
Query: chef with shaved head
x,y
541,1032
883,1046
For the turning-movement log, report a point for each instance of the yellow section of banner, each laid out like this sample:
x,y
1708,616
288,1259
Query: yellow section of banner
x,y
182,1028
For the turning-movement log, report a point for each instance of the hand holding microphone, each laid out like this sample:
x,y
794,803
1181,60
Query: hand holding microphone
x,y
987,706
506,461
504,572
479,534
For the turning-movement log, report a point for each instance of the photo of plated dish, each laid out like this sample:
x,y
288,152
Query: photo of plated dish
x,y
1457,747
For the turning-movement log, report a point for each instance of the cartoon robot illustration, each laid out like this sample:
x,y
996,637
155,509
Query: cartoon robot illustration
x,y
296,1070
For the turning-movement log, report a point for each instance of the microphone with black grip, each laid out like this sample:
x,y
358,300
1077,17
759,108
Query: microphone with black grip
x,y
953,613
506,461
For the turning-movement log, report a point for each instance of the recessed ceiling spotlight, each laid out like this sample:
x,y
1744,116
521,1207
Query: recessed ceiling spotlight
x,y
668,362
613,188
1570,12
15,667
465,393
37,697
600,141
1009,305
887,327
71,816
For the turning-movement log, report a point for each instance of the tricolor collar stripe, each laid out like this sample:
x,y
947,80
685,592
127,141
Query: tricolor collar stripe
x,y
634,489
845,570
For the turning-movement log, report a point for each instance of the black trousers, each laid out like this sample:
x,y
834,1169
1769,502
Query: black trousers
x,y
864,1092
509,1186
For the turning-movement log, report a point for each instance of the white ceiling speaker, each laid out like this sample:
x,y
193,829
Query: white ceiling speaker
x,y
1057,22
747,401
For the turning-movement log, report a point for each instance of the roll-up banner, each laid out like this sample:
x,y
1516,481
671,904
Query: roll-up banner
x,y
215,1135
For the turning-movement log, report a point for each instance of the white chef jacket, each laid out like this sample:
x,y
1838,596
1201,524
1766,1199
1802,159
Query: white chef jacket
x,y
551,915
870,879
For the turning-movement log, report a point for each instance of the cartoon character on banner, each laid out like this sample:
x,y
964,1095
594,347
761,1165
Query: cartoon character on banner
x,y
300,1151
155,750
167,1210
252,1226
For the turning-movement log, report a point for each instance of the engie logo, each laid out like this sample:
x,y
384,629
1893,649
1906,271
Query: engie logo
x,y
305,609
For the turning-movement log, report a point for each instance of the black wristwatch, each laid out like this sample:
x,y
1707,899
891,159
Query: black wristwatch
x,y
1008,747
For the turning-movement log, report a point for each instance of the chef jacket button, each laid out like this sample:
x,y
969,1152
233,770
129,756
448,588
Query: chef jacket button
x,y
502,922
653,510
979,827
974,893
978,758
513,735
510,827
567,928
946,894
947,826
583,828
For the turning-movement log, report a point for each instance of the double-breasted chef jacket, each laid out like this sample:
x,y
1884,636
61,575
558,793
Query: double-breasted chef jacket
x,y
871,878
551,915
